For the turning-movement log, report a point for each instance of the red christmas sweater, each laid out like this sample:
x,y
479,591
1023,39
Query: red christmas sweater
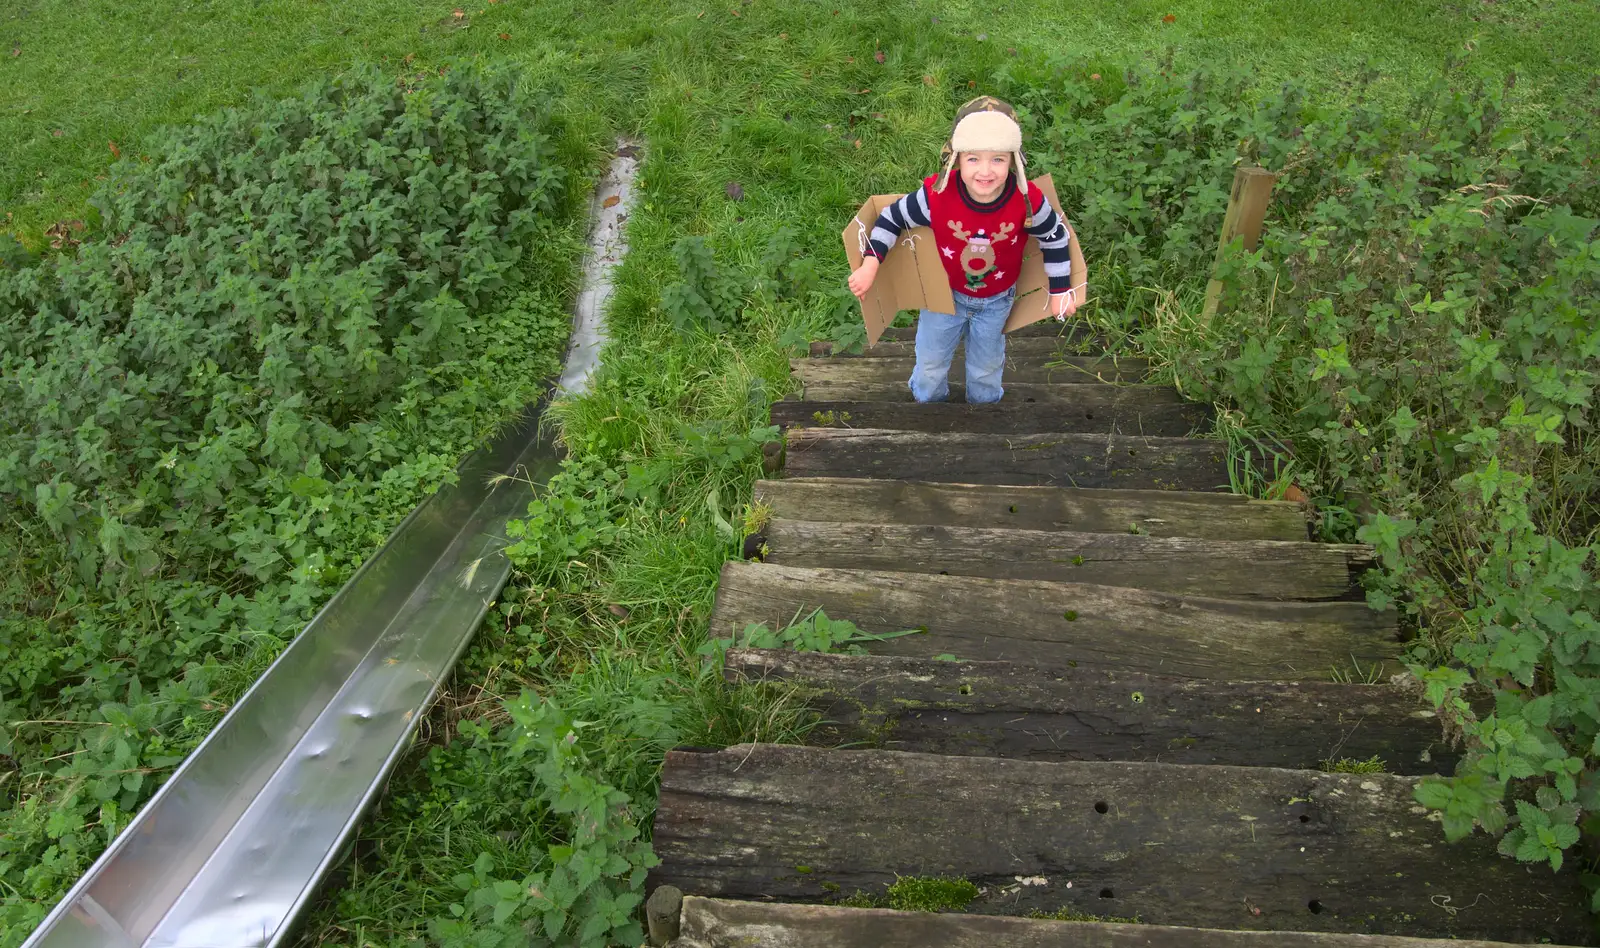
x,y
980,245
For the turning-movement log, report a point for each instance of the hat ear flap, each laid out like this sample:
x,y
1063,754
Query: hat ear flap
x,y
1022,184
947,158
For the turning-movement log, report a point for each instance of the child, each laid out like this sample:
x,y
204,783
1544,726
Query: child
x,y
978,227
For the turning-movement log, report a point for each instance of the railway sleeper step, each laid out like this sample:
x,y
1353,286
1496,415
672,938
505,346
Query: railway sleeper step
x,y
1133,409
1055,459
1073,624
1278,570
1068,343
1154,513
727,923
1047,328
1034,368
1250,848
1026,712
1016,393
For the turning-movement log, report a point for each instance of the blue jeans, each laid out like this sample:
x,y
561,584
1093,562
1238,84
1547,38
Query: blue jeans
x,y
982,321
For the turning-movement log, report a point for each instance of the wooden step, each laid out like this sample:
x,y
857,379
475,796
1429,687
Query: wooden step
x,y
1227,569
1016,347
1046,623
1215,847
726,923
1062,370
1060,459
1152,512
1023,393
1047,328
1133,409
1023,712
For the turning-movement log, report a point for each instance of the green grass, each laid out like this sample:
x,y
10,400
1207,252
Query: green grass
x,y
100,71
1070,914
765,99
1350,765
918,894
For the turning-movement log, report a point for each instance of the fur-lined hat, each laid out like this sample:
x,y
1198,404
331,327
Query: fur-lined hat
x,y
985,124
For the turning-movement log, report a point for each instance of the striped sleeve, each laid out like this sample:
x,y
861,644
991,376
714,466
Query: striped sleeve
x,y
909,211
1051,231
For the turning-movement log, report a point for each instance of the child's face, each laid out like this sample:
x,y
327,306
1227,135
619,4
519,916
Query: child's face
x,y
984,172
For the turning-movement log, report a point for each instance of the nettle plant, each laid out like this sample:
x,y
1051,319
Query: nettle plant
x,y
815,632
587,889
269,281
1422,322
593,506
277,338
712,298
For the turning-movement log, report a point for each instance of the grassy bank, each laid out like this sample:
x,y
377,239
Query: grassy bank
x,y
617,565
76,77
287,327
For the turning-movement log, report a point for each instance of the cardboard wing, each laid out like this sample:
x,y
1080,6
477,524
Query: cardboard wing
x,y
912,277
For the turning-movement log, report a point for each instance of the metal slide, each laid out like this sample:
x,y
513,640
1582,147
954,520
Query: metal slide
x,y
231,848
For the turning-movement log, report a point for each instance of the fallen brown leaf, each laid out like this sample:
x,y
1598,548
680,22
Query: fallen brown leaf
x,y
57,133
60,234
115,151
1095,77
1169,18
735,191
929,81
611,201
1295,495
621,612
850,59
701,15
505,36
862,92
858,143
972,83
783,36
16,51
878,55
409,58
734,12
458,13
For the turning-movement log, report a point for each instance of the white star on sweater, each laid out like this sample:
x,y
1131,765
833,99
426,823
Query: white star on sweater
x,y
999,274
948,252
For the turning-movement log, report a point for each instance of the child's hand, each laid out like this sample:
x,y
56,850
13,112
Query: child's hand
x,y
1065,304
861,280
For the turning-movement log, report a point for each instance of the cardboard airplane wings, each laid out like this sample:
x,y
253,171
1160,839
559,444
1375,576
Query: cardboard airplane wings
x,y
911,276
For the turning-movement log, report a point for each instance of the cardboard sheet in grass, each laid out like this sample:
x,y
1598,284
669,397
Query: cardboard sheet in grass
x,y
912,277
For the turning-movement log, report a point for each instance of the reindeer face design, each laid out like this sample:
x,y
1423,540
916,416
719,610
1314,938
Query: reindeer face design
x,y
977,259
